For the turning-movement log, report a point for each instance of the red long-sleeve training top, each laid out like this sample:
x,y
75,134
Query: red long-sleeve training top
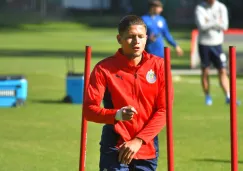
x,y
121,84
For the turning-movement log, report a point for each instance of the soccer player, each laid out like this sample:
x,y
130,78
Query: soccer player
x,y
157,30
211,18
131,85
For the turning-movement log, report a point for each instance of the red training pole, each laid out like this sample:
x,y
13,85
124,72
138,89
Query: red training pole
x,y
233,111
169,129
83,142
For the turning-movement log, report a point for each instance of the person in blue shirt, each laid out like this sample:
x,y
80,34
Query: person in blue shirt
x,y
157,30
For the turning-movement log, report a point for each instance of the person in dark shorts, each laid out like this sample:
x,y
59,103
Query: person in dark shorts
x,y
211,18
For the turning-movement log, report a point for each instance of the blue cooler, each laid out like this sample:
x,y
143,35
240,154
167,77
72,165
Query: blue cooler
x,y
13,90
74,88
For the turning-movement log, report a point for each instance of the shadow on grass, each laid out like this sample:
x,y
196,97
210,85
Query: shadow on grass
x,y
75,54
180,66
50,101
49,53
93,18
13,53
215,160
17,17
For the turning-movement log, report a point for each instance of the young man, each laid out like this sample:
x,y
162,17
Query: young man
x,y
132,86
157,30
212,19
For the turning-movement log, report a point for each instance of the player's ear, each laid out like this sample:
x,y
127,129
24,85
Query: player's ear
x,y
118,37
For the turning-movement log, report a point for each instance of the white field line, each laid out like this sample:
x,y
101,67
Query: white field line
x,y
198,81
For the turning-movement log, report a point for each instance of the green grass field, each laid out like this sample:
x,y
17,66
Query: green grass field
x,y
44,135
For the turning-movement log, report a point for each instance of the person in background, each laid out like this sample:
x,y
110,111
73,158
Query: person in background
x,y
211,18
157,30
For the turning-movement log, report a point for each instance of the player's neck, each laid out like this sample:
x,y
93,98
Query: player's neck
x,y
210,3
151,13
134,61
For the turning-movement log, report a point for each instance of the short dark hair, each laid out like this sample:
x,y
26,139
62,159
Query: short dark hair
x,y
128,21
155,3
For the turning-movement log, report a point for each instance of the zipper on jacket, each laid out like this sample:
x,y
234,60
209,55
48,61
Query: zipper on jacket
x,y
135,86
136,75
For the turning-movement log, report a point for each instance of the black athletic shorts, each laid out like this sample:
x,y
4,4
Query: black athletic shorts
x,y
212,54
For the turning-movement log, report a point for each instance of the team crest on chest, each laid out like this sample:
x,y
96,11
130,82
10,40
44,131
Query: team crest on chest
x,y
160,24
151,77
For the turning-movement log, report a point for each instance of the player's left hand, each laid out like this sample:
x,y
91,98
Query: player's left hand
x,y
128,150
179,51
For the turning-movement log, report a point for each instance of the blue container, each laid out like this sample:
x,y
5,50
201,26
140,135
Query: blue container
x,y
75,87
13,91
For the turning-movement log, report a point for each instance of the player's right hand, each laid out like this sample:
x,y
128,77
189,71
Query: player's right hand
x,y
179,51
126,113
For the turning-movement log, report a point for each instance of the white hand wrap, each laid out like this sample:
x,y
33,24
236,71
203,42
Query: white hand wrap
x,y
119,112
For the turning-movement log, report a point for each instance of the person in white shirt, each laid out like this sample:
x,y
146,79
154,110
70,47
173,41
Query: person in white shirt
x,y
211,17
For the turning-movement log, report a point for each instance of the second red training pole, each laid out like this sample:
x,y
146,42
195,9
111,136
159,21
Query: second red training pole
x,y
82,159
233,110
169,127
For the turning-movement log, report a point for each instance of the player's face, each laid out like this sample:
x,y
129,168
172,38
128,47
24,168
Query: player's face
x,y
158,10
133,41
210,1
